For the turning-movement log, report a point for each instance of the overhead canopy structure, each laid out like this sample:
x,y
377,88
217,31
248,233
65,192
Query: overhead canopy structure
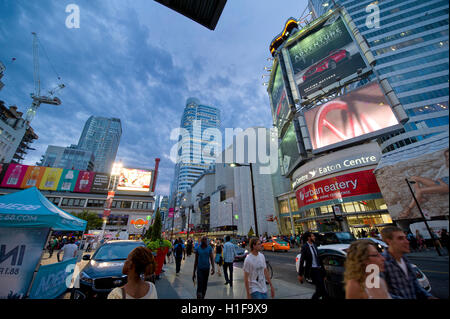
x,y
205,12
29,208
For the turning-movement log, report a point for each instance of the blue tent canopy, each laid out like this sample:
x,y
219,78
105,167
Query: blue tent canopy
x,y
29,208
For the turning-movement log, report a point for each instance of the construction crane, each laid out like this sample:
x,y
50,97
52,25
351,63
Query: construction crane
x,y
36,96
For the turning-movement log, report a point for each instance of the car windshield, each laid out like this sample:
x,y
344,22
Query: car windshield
x,y
281,242
116,251
345,238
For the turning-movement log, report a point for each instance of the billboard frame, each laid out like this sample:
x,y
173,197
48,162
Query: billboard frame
x,y
136,192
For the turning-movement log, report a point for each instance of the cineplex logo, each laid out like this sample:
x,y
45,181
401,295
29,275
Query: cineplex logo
x,y
203,146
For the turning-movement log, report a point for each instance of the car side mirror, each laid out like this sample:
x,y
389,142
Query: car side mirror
x,y
87,257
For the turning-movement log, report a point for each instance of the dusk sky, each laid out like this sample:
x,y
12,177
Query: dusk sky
x,y
139,61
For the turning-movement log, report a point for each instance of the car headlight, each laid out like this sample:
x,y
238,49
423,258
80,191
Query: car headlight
x,y
85,278
246,251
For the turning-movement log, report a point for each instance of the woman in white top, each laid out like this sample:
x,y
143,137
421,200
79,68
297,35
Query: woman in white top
x,y
363,266
139,262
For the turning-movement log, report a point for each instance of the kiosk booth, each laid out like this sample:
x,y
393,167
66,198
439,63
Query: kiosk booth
x,y
27,220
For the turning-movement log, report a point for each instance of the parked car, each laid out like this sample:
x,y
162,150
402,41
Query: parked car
x,y
327,63
275,244
333,258
241,254
103,272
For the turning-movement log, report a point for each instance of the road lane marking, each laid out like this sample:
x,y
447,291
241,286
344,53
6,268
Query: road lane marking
x,y
434,271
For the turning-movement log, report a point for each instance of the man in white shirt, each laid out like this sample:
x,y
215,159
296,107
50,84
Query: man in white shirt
x,y
69,249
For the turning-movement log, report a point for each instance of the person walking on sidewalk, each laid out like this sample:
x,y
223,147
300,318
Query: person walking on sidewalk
x,y
204,260
180,253
51,246
311,266
398,273
229,252
69,249
140,261
255,273
219,258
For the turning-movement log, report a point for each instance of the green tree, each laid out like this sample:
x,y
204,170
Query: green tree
x,y
156,227
93,221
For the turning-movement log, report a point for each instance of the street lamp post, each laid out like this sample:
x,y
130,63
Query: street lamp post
x,y
423,216
113,181
253,194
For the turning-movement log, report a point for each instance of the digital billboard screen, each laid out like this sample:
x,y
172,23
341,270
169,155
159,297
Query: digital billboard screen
x,y
323,56
362,114
278,97
134,180
288,150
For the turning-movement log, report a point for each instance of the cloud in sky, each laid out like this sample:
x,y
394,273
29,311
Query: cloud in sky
x,y
139,61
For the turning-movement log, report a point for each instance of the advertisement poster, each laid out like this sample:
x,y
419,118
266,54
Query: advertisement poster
x,y
53,280
362,111
134,180
430,174
84,182
280,105
33,177
20,252
288,150
323,56
51,178
14,176
436,226
68,180
100,183
353,184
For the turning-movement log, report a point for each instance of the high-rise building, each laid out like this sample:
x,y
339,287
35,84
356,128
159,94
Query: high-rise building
x,y
192,161
410,44
68,157
101,136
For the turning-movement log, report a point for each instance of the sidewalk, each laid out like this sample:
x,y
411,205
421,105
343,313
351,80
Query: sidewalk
x,y
170,286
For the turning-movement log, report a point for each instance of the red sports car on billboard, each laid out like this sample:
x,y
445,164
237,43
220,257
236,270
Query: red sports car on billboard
x,y
329,62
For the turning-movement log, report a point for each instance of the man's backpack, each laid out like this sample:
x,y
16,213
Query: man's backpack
x,y
179,250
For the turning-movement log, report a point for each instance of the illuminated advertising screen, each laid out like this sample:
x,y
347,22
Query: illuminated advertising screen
x,y
100,183
84,182
278,97
14,176
362,114
337,188
134,180
68,180
33,177
324,55
288,150
50,180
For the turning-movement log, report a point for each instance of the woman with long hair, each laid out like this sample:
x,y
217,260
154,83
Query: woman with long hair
x,y
362,269
140,262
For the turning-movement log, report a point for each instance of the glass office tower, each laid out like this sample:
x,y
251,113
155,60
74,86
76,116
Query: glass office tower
x,y
101,136
191,160
411,49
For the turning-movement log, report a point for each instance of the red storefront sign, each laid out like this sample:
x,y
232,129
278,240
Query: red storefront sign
x,y
353,184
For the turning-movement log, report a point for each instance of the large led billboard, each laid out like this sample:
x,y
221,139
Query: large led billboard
x,y
288,150
362,114
278,98
324,56
134,180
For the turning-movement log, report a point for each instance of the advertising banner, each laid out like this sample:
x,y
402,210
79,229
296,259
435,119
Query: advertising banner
x,y
353,184
33,177
134,180
137,223
171,212
68,180
50,179
362,114
429,175
14,176
436,227
20,252
324,55
84,182
100,183
53,280
278,98
108,204
288,150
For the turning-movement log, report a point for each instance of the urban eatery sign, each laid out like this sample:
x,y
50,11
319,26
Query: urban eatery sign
x,y
339,187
